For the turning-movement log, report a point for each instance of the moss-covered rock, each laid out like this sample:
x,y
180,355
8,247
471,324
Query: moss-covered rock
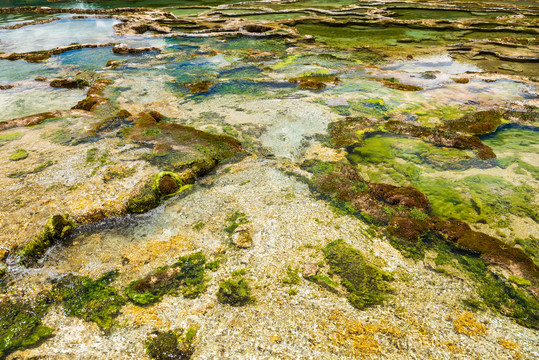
x,y
56,228
91,300
200,153
21,324
187,275
315,82
20,154
478,123
366,285
164,184
172,344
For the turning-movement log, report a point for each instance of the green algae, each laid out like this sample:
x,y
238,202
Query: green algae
x,y
61,137
406,161
366,285
91,300
495,292
530,246
40,168
490,198
56,228
20,154
10,136
187,275
292,276
21,325
173,344
234,220
235,292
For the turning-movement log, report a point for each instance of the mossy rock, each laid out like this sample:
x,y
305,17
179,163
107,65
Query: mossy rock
x,y
91,300
187,275
19,155
21,325
164,184
56,228
172,344
235,292
167,183
366,285
479,123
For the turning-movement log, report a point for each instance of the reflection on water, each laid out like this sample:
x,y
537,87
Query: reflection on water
x,y
443,63
58,33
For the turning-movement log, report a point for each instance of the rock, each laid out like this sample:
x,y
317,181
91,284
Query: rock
x,y
167,185
508,67
338,101
112,64
256,28
69,83
156,115
41,78
7,87
242,237
123,49
309,269
428,75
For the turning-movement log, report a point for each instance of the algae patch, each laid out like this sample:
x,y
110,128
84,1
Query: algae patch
x,y
187,275
235,291
20,154
20,325
173,344
91,300
366,285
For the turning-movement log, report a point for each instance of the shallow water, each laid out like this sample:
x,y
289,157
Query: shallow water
x,y
58,33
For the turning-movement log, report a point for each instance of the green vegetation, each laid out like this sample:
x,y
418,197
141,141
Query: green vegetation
x,y
530,246
198,226
171,345
495,292
235,291
10,136
151,132
20,325
91,300
20,174
59,137
366,285
94,154
234,220
20,154
56,228
186,274
292,276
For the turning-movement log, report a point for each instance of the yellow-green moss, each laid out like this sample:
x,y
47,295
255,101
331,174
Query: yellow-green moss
x,y
56,228
21,154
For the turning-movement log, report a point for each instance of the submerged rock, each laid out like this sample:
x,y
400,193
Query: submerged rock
x,y
56,228
171,345
70,83
242,237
